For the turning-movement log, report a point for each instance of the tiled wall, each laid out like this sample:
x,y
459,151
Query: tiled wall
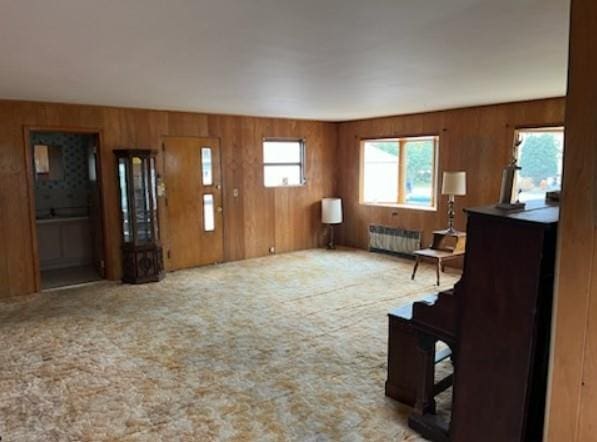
x,y
69,196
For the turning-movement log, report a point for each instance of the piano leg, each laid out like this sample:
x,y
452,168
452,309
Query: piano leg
x,y
423,418
438,269
425,403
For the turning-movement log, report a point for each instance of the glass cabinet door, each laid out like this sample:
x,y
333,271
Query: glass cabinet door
x,y
142,257
154,201
142,216
125,211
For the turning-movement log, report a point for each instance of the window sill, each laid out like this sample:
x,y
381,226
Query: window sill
x,y
401,206
282,186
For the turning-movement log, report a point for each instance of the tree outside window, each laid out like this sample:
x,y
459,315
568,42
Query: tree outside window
x,y
540,156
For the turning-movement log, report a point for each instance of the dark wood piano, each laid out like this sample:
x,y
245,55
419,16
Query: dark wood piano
x,y
497,321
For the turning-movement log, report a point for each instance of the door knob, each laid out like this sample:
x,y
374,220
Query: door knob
x,y
220,209
218,186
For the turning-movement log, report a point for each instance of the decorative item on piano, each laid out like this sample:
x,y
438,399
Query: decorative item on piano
x,y
553,197
508,197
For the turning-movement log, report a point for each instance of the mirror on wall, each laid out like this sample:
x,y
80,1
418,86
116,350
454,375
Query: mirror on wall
x,y
49,165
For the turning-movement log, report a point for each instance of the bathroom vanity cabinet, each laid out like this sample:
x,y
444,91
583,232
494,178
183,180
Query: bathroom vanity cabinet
x,y
64,242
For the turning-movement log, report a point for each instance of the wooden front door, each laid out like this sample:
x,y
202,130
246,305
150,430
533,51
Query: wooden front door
x,y
193,178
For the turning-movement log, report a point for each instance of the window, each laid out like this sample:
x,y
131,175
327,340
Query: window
x,y
399,172
283,163
206,166
209,219
540,155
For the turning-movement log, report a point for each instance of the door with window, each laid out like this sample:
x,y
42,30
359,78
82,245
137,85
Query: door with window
x,y
193,178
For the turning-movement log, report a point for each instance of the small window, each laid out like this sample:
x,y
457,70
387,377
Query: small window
x,y
206,167
283,163
209,221
540,154
124,201
399,172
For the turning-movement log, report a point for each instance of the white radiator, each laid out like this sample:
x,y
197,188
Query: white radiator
x,y
394,241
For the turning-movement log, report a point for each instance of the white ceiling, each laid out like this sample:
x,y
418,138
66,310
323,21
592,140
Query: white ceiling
x,y
318,59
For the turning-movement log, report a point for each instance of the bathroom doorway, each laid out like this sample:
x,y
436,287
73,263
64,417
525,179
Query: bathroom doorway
x,y
66,199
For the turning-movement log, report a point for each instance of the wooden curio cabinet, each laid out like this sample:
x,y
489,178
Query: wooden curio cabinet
x,y
142,259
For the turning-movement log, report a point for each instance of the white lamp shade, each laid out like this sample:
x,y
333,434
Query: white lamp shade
x,y
331,211
454,183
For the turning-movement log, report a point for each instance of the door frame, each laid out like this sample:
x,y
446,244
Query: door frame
x,y
163,139
27,131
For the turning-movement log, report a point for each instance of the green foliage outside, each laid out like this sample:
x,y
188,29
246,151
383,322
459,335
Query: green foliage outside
x,y
539,157
419,168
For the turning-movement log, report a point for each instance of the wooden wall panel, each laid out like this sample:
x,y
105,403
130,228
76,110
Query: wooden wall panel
x,y
259,224
573,387
232,162
257,219
477,140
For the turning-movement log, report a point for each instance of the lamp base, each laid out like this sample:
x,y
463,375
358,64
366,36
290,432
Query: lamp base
x,y
331,245
451,214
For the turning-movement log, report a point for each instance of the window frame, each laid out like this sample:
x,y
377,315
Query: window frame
x,y
401,203
546,128
302,160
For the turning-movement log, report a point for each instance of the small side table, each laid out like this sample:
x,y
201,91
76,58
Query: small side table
x,y
446,246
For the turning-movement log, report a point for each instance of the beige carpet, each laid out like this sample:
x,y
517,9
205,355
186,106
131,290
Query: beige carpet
x,y
288,347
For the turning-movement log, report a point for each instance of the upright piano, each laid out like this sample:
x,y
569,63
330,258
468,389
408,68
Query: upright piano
x,y
497,320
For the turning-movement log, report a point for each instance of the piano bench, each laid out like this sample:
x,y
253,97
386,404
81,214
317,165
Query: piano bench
x,y
404,357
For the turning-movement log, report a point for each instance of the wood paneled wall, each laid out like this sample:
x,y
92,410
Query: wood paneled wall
x,y
288,219
478,140
573,400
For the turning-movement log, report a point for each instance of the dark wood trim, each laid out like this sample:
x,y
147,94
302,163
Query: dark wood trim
x,y
535,126
31,195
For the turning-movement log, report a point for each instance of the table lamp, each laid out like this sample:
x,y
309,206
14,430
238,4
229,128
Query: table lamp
x,y
331,213
454,184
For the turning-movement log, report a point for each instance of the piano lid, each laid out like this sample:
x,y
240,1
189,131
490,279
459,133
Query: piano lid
x,y
535,212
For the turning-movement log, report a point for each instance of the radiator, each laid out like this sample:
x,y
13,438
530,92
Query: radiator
x,y
393,241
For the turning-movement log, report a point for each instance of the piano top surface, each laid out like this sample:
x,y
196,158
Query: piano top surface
x,y
535,212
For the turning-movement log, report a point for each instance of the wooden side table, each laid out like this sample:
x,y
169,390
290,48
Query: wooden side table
x,y
446,246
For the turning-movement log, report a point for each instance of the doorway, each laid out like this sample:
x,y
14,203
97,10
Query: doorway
x,y
67,206
193,177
